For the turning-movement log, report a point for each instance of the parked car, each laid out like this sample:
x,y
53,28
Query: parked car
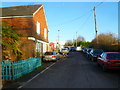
x,y
78,48
73,49
50,56
67,48
88,52
60,54
84,49
64,51
109,60
94,53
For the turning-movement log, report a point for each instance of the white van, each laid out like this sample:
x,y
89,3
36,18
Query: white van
x,y
78,48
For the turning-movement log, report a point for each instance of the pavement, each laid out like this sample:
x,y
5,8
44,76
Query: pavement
x,y
16,83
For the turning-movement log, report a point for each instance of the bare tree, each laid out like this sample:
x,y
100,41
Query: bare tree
x,y
80,38
69,43
106,42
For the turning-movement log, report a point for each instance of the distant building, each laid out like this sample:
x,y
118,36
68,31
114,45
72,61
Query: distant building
x,y
60,45
52,46
30,22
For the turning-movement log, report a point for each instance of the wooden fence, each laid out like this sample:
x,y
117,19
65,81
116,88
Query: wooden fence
x,y
15,69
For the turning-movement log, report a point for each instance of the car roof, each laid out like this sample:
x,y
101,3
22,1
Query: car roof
x,y
72,47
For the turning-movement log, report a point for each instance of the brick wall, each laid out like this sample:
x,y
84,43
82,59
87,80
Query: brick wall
x,y
40,17
23,25
28,48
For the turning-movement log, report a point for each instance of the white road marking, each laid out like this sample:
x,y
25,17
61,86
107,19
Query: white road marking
x,y
36,76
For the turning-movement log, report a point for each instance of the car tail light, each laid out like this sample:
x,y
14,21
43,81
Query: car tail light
x,y
53,56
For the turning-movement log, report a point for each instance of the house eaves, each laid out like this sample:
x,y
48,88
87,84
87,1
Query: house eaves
x,y
32,38
17,16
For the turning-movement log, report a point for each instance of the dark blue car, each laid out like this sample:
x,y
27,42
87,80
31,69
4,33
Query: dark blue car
x,y
94,53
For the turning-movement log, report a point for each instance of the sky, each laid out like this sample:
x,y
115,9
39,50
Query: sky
x,y
77,18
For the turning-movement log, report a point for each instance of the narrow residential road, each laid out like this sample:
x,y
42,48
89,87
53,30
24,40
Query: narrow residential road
x,y
75,72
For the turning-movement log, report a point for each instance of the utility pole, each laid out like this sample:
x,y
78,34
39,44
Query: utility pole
x,y
96,29
58,40
76,39
73,40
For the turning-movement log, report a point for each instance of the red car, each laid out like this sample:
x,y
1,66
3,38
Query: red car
x,y
109,60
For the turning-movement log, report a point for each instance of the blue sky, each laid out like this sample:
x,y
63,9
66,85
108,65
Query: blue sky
x,y
72,17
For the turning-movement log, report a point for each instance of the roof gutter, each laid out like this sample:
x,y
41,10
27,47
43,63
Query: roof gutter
x,y
17,16
34,39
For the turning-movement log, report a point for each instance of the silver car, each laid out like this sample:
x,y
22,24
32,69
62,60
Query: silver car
x,y
65,50
50,56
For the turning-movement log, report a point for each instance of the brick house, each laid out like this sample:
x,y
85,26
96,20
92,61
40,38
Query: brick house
x,y
30,22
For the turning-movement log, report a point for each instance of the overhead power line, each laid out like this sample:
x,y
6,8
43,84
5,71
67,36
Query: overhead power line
x,y
87,19
77,18
99,4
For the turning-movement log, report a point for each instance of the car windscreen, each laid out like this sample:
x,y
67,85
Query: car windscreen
x,y
89,50
114,56
48,53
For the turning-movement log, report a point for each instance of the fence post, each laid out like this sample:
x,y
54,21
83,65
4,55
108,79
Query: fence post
x,y
0,75
15,69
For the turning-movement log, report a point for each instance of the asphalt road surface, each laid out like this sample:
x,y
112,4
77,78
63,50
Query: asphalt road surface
x,y
76,71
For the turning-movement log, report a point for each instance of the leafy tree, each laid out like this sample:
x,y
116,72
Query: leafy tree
x,y
82,43
10,41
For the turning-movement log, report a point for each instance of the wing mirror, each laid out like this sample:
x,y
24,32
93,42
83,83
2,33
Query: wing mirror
x,y
100,56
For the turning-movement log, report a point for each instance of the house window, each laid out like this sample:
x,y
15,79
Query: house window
x,y
44,48
45,33
38,47
38,27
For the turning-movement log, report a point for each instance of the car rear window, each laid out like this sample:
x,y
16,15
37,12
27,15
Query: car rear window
x,y
67,47
72,47
98,51
115,56
48,53
64,49
89,50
